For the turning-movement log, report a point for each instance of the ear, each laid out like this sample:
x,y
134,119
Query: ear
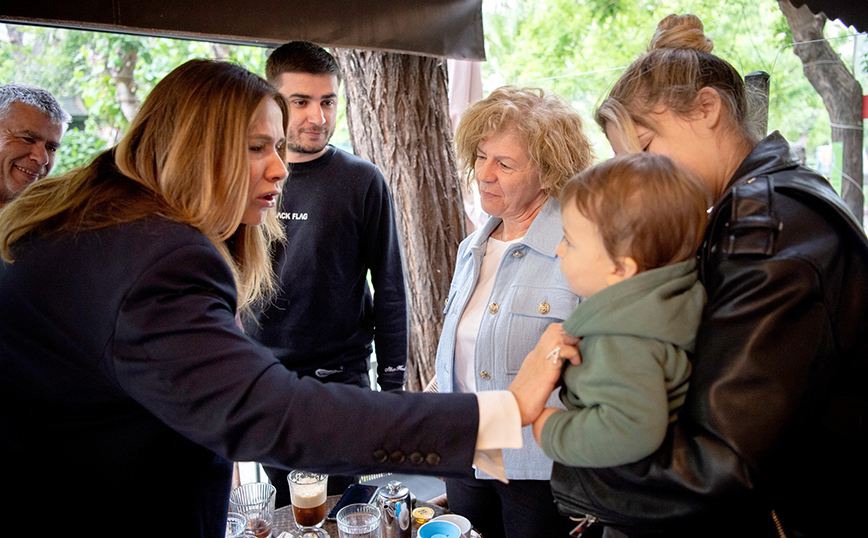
x,y
624,268
709,107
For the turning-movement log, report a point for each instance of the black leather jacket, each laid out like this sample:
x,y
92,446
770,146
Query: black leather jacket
x,y
775,418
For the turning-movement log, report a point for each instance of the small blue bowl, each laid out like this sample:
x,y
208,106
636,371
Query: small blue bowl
x,y
439,529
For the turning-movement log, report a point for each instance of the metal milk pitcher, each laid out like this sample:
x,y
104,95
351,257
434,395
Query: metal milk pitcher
x,y
394,503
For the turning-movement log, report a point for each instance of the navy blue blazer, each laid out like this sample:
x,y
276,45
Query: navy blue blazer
x,y
127,389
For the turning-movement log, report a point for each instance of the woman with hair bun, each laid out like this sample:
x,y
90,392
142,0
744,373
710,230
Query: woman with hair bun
x,y
772,437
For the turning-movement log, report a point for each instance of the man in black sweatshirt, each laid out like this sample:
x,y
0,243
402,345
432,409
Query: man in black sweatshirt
x,y
340,229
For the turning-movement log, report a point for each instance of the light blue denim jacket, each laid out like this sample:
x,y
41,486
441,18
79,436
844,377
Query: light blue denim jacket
x,y
529,292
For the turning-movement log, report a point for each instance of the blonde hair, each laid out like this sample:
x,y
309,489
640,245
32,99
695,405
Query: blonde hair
x,y
677,65
552,130
645,207
613,114
184,158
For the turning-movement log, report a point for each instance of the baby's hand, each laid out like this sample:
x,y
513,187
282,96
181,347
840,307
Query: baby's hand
x,y
540,422
541,370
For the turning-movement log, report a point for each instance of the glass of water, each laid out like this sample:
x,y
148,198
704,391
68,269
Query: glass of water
x,y
359,520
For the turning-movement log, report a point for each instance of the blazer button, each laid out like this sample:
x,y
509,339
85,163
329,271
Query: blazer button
x,y
416,458
544,308
381,456
433,459
484,375
397,457
492,308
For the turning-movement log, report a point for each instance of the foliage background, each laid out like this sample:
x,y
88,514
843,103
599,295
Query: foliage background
x,y
579,49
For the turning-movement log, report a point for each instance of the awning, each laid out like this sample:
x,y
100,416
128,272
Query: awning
x,y
851,12
447,28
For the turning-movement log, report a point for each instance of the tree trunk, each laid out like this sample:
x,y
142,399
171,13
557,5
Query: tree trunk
x,y
16,38
840,91
124,77
398,117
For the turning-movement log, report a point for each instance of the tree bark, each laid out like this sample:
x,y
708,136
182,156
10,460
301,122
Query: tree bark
x,y
841,93
16,38
125,80
398,117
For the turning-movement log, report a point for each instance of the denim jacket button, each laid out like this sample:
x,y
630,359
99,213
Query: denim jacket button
x,y
517,254
544,308
484,375
492,308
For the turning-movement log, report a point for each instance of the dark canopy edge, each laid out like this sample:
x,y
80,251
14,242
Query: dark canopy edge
x,y
850,12
442,28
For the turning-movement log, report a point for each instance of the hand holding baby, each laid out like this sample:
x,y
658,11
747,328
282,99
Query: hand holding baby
x,y
541,371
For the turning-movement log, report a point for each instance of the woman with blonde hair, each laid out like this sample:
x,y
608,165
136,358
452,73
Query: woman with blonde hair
x,y
162,169
519,146
773,431
128,387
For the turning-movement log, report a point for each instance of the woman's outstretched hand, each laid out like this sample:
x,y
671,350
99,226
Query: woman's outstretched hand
x,y
541,371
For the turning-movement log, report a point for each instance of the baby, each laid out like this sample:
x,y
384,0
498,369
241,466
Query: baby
x,y
632,227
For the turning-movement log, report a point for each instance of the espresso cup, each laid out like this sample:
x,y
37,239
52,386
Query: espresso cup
x,y
462,522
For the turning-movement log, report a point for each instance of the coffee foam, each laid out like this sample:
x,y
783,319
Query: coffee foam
x,y
308,497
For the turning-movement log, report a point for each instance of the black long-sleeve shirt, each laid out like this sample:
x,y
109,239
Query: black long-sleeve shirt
x,y
340,225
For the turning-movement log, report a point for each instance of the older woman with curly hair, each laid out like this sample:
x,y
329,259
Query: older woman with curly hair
x,y
520,146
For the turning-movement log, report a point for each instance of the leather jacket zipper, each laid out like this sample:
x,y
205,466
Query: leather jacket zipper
x,y
584,523
778,526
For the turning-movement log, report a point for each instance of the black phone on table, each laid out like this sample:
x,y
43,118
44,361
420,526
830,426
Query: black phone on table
x,y
355,493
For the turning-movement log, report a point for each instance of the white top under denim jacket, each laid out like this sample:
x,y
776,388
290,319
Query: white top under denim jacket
x,y
529,293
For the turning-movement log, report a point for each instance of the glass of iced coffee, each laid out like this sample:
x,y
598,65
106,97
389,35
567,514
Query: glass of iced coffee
x,y
307,492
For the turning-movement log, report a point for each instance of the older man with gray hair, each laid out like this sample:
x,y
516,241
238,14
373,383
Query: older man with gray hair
x,y
32,123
